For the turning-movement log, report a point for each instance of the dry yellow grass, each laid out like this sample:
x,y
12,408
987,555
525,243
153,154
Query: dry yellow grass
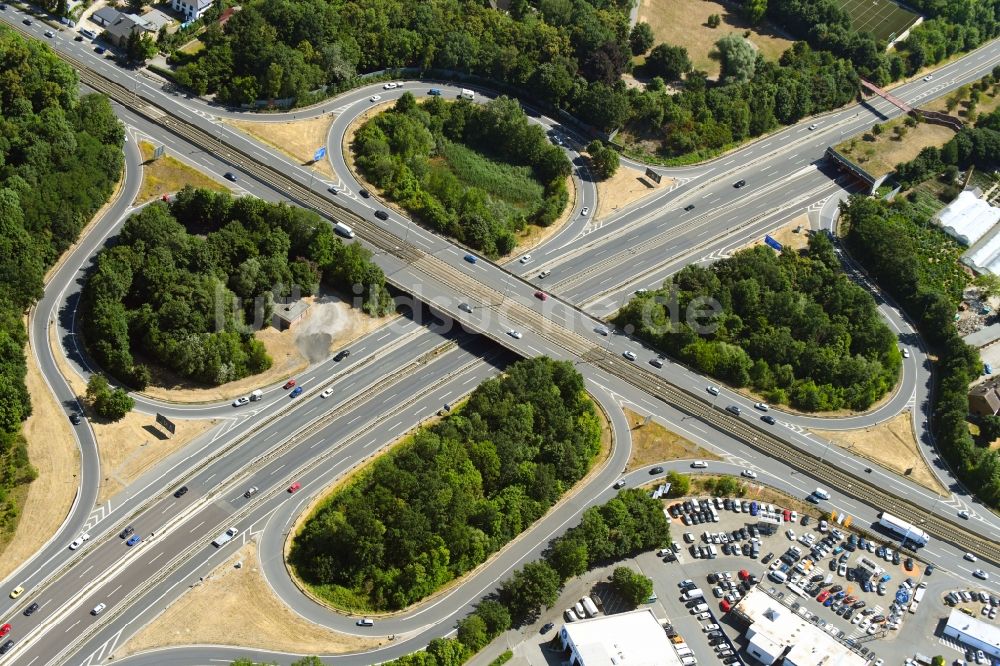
x,y
131,446
167,175
682,23
328,323
652,443
298,139
881,156
193,47
53,452
892,444
626,186
237,607
788,237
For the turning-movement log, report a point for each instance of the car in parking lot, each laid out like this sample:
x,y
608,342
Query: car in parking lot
x,y
547,627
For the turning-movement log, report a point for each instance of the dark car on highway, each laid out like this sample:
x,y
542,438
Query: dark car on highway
x,y
740,183
341,355
689,208
768,419
231,176
180,492
128,531
382,215
30,610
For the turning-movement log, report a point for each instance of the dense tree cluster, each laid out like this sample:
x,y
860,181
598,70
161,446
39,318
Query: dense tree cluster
x,y
187,284
60,156
440,504
633,587
108,403
478,173
791,326
278,49
880,236
756,97
604,160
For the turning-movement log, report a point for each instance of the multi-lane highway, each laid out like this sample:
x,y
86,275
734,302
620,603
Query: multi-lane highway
x,y
662,239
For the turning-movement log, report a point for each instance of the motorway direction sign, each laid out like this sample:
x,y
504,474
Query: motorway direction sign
x,y
653,176
159,152
319,154
770,242
166,423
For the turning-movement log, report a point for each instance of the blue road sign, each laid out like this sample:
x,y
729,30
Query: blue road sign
x,y
319,154
772,243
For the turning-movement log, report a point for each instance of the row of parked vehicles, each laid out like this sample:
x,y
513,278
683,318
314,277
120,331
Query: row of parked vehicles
x,y
990,602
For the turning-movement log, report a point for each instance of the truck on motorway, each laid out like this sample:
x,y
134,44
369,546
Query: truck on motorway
x,y
903,529
225,537
342,229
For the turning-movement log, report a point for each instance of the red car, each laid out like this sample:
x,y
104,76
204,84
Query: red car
x,y
823,596
4,630
725,606
787,514
541,295
295,486
743,574
289,384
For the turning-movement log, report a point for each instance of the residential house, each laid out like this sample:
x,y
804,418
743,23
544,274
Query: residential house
x,y
119,31
191,9
105,16
984,399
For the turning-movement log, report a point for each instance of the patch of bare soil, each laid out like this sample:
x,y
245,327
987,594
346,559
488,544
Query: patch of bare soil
x,y
625,187
299,139
329,323
237,607
54,453
882,153
652,443
892,444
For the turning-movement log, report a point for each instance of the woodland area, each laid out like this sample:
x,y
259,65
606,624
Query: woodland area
x,y
478,173
792,327
441,503
60,157
185,285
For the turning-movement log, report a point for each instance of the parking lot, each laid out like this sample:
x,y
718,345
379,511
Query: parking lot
x,y
865,594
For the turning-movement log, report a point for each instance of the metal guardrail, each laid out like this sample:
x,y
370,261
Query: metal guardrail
x,y
454,279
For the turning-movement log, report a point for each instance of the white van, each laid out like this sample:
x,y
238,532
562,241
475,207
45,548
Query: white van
x,y
696,593
467,94
699,464
822,494
777,576
684,651
688,661
256,395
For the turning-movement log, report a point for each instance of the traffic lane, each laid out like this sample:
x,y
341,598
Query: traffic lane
x,y
89,477
174,471
443,610
346,451
640,253
118,569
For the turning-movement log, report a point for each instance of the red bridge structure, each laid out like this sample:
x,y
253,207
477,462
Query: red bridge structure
x,y
874,89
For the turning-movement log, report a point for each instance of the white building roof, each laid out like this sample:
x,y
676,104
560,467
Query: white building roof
x,y
633,639
773,624
968,218
969,627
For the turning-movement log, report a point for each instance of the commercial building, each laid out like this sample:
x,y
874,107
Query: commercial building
x,y
774,632
974,632
973,222
635,638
